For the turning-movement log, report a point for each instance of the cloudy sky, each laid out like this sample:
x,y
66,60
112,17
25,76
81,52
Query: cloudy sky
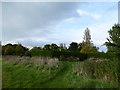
x,y
40,23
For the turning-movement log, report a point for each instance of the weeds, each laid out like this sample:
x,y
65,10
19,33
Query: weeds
x,y
23,72
101,71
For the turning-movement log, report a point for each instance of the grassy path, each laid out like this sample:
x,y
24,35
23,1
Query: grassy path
x,y
17,76
59,80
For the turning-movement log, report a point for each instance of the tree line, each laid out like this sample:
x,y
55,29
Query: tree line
x,y
86,46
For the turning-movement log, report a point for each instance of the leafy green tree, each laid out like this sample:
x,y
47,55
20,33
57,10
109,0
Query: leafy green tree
x,y
73,47
36,49
3,50
50,47
54,47
28,53
9,50
19,50
111,49
113,42
16,49
47,47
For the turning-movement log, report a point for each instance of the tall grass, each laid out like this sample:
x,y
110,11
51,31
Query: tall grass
x,y
0,72
40,72
94,73
29,72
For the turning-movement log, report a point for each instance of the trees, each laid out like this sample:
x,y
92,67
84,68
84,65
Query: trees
x,y
113,42
54,46
36,49
9,50
80,46
47,47
89,49
16,49
50,47
87,38
62,47
19,50
87,45
73,47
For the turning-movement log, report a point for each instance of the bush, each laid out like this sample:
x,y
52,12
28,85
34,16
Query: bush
x,y
102,55
41,53
89,49
75,55
28,53
58,54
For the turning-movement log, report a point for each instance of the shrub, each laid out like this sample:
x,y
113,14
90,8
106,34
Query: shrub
x,y
42,53
63,54
102,55
89,49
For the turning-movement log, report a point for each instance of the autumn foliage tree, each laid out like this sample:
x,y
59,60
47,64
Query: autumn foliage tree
x,y
87,38
89,49
87,45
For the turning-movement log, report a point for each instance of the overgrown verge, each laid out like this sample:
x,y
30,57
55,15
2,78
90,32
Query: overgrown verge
x,y
40,72
94,73
72,56
28,72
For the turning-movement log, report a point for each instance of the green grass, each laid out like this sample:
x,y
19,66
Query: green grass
x,y
0,72
19,76
67,75
59,80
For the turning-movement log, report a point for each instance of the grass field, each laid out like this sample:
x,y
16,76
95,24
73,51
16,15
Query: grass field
x,y
51,73
0,72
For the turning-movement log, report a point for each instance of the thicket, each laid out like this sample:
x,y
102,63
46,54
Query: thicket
x,y
45,53
102,55
75,55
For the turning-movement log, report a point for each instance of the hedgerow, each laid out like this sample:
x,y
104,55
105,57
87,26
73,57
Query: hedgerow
x,y
67,54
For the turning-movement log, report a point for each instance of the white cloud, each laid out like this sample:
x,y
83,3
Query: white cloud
x,y
100,42
71,20
83,13
77,40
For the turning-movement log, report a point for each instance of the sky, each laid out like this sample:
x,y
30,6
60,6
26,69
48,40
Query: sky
x,y
39,23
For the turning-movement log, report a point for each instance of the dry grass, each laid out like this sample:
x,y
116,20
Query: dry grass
x,y
38,62
97,68
96,59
